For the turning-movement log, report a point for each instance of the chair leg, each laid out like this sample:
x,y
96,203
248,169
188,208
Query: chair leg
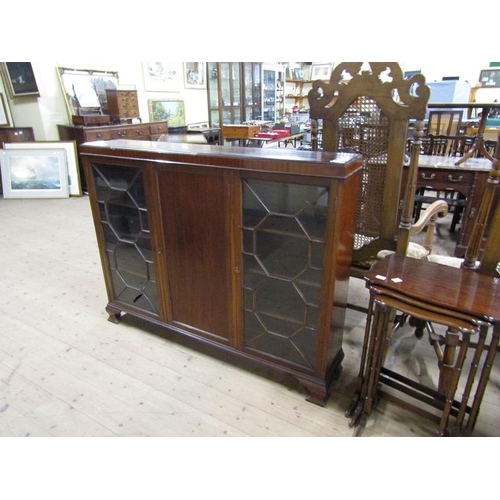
x,y
450,369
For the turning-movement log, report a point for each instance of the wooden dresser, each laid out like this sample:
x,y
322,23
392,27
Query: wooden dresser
x,y
139,131
245,249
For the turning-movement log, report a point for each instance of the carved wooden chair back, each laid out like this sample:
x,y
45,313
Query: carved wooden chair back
x,y
366,108
444,122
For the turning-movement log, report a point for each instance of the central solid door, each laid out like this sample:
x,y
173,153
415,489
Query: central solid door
x,y
197,235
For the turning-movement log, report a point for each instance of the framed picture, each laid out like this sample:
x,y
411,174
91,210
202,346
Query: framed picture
x,y
20,79
321,71
74,183
169,110
194,75
4,117
34,173
85,89
162,76
490,77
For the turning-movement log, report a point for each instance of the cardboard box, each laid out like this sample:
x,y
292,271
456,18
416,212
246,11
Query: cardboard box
x,y
240,131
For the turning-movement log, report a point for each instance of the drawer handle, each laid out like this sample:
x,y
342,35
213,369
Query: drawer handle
x,y
451,179
430,178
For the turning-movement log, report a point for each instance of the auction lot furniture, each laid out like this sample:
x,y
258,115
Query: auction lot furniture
x,y
467,303
245,249
465,300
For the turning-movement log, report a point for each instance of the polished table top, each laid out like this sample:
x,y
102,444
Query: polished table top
x,y
449,162
461,290
469,105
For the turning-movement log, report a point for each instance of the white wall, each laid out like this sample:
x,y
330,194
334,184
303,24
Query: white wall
x,y
48,110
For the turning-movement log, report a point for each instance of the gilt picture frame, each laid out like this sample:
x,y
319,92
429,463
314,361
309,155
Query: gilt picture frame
x,y
86,88
28,173
20,79
74,181
171,110
4,117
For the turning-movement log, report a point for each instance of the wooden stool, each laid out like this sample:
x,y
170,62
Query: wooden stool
x,y
467,302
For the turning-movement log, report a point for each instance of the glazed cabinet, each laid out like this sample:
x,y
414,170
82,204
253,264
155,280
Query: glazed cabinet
x,y
248,250
234,92
273,93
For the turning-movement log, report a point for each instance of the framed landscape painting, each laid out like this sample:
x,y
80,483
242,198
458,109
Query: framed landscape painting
x,y
162,76
74,182
31,173
167,110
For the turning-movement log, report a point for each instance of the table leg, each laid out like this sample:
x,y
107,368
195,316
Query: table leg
x,y
478,146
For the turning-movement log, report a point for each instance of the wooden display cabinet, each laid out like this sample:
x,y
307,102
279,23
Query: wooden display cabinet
x,y
234,92
247,249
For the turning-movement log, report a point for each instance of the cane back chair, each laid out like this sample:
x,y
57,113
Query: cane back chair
x,y
366,108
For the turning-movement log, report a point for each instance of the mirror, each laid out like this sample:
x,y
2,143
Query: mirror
x,y
85,89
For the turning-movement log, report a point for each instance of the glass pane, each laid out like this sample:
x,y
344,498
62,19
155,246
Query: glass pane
x,y
226,116
283,235
214,118
213,89
123,213
225,84
236,84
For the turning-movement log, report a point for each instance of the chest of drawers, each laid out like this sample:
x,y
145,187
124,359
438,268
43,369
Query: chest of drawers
x,y
122,104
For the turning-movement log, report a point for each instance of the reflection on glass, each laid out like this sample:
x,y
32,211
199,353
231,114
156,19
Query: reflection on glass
x,y
123,214
283,238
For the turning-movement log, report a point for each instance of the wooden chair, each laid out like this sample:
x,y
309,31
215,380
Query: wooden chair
x,y
444,122
464,298
366,109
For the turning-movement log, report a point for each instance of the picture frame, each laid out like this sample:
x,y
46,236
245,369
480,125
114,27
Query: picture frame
x,y
20,79
171,110
321,71
34,173
85,89
195,75
4,117
489,78
162,76
74,181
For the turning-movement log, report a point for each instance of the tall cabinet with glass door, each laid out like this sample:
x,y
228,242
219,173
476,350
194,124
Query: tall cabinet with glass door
x,y
273,92
234,92
252,78
224,93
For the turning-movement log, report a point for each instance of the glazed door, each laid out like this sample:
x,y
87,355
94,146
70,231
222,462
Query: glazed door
x,y
194,208
123,226
284,231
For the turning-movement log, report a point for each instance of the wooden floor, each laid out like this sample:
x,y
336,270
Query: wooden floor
x,y
66,371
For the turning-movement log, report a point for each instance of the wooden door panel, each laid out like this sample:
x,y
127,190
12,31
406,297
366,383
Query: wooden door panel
x,y
193,214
